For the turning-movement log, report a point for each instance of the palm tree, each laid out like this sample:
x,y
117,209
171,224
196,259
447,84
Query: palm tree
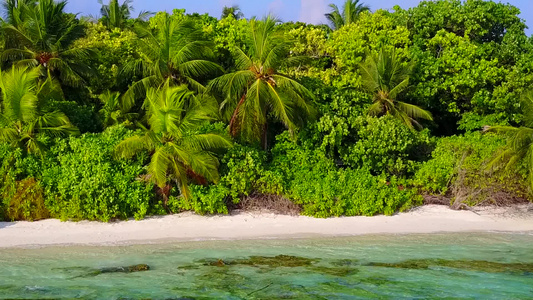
x,y
115,15
520,140
258,90
234,11
43,35
177,50
23,121
13,10
112,113
350,13
386,77
178,150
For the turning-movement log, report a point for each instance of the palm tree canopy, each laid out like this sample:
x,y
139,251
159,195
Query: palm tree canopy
x,y
386,77
234,11
174,116
175,49
23,119
13,10
349,14
44,37
115,15
112,112
257,89
520,140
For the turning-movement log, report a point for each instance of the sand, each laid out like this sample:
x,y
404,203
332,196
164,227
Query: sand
x,y
245,225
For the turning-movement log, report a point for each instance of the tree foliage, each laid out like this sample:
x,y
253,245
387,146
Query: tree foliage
x,y
386,77
258,89
185,111
519,148
42,35
349,14
23,121
116,15
178,151
172,49
233,11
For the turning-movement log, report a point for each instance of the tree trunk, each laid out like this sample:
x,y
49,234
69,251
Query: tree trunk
x,y
232,126
265,136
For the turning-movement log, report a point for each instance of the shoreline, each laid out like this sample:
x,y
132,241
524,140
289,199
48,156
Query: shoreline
x,y
189,227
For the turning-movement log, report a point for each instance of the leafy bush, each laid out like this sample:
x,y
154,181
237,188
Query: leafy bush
x,y
471,153
313,181
205,200
350,192
21,195
386,145
474,122
81,116
342,110
26,202
114,50
83,181
350,44
378,144
244,171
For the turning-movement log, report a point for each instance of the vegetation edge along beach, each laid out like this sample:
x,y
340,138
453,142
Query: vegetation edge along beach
x,y
117,117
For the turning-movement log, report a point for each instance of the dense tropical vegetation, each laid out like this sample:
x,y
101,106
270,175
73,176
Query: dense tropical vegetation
x,y
117,117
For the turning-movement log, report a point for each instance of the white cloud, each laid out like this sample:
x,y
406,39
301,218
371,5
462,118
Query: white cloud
x,y
312,11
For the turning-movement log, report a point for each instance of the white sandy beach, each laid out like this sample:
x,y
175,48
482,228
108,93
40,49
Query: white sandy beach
x,y
191,227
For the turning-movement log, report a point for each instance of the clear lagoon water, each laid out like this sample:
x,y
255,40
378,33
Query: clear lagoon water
x,y
466,266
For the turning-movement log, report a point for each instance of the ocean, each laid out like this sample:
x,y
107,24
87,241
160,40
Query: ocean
x,y
451,266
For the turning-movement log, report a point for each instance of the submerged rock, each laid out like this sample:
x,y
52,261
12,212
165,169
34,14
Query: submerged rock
x,y
471,265
128,269
263,261
340,268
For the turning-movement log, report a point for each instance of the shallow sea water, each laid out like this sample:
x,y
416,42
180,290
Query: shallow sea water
x,y
466,266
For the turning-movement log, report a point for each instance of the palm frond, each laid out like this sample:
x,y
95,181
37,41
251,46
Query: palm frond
x,y
413,111
207,141
67,74
199,68
135,144
159,165
200,162
9,135
376,108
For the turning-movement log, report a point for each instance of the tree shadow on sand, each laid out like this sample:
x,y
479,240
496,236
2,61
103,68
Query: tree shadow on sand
x,y
5,224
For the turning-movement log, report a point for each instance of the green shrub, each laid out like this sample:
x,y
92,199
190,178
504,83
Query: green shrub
x,y
205,200
26,202
470,154
81,116
22,196
474,122
323,190
386,145
348,192
7,177
246,170
82,180
342,110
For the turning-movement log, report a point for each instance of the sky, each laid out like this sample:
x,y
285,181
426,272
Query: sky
x,y
310,11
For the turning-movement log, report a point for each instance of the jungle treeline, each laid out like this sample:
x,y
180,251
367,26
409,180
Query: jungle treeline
x,y
125,115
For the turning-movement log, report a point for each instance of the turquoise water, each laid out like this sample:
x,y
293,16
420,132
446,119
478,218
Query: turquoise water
x,y
475,266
